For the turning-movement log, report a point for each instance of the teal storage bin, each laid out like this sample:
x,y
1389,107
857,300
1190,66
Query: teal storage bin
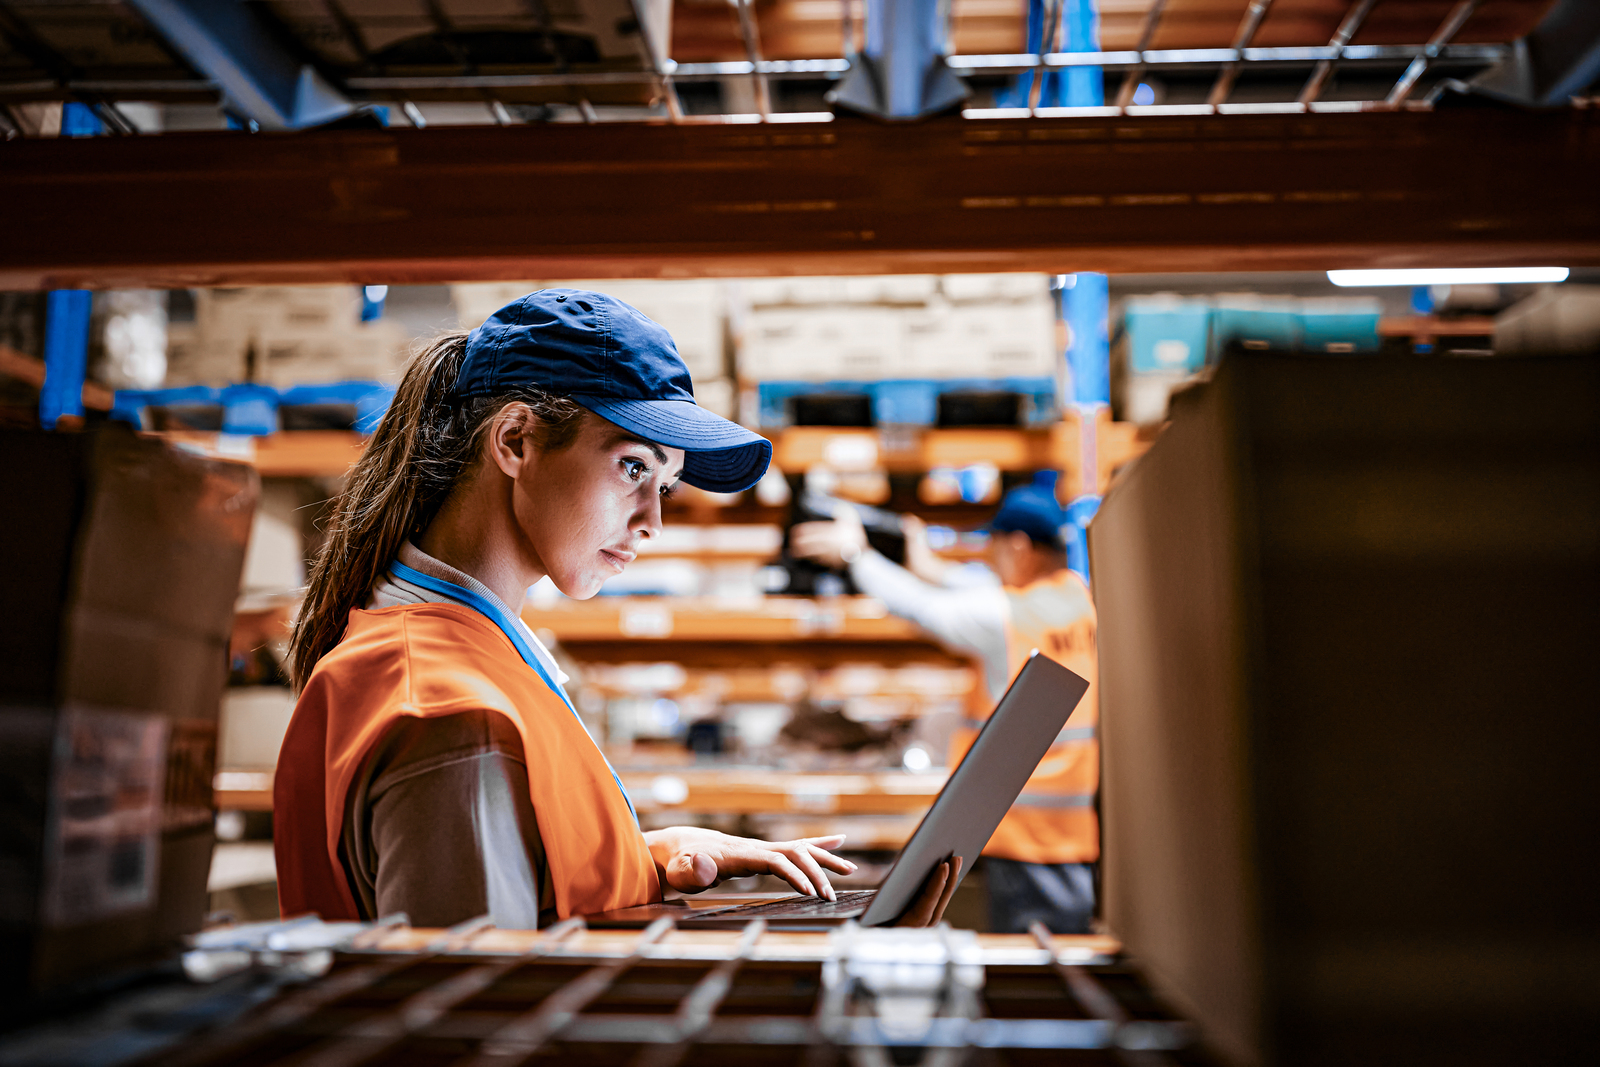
x,y
1254,322
1340,325
1166,334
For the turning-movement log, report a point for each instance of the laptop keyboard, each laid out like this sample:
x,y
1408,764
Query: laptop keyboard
x,y
853,900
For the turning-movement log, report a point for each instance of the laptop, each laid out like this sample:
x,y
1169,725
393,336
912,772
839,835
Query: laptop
x,y
974,799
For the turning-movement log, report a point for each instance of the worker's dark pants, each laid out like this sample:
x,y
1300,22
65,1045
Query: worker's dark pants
x,y
1060,895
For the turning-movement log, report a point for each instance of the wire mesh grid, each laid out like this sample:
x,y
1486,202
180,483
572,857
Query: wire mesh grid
x,y
475,997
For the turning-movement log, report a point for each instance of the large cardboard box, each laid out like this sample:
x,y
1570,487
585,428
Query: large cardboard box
x,y
114,626
1347,634
1558,318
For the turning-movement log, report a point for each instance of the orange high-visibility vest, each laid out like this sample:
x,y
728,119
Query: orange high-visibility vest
x,y
1053,820
427,660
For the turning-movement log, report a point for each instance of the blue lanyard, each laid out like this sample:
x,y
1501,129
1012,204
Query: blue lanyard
x,y
508,626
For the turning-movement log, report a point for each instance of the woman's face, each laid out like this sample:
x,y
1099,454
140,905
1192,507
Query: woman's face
x,y
584,509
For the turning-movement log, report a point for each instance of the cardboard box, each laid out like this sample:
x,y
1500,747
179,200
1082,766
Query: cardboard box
x,y
276,560
1347,636
373,351
253,722
195,357
113,656
852,343
1557,319
1012,339
990,287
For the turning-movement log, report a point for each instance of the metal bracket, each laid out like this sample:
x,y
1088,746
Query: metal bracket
x,y
902,73
259,81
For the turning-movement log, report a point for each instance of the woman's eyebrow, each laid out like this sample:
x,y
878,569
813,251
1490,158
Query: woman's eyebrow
x,y
661,457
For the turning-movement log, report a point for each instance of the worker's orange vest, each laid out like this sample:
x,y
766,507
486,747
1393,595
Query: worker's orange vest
x,y
1053,819
434,659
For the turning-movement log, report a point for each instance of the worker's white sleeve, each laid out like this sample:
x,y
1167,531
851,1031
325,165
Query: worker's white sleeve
x,y
970,576
970,618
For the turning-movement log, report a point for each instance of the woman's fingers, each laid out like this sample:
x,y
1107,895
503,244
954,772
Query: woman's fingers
x,y
922,909
948,891
780,865
828,859
801,855
830,841
691,872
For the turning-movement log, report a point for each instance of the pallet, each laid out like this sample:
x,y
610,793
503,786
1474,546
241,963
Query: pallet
x,y
909,401
249,409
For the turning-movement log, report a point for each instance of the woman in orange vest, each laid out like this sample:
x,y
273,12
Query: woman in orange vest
x,y
434,764
1039,865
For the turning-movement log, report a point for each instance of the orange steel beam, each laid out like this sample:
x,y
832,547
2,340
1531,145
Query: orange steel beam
x,y
1200,193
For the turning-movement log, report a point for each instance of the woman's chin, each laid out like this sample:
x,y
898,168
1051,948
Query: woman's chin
x,y
581,587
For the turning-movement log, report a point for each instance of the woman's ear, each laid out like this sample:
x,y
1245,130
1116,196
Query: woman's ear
x,y
510,443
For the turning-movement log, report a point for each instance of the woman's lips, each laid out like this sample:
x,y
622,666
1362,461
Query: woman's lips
x,y
616,559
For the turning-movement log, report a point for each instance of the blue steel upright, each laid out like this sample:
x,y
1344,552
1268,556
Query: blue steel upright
x,y
66,354
1075,86
1085,305
1085,297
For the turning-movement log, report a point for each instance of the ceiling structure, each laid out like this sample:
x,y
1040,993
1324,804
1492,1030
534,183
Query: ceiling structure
x,y
604,151
574,59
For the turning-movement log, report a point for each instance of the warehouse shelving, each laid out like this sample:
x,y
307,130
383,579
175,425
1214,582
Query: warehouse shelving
x,y
710,636
718,790
329,453
290,454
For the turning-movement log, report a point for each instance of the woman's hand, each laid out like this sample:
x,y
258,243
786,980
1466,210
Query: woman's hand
x,y
692,860
928,908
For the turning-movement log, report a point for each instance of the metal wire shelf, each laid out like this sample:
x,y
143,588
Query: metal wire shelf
x,y
474,996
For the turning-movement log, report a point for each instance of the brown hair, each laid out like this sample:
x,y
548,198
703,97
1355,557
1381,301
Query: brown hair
x,y
424,444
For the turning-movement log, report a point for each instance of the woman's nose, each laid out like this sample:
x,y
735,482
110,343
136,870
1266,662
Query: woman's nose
x,y
647,523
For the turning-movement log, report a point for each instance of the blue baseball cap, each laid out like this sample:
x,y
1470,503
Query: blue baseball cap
x,y
615,361
1033,510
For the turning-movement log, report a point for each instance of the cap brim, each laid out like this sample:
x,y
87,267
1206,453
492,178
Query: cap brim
x,y
722,456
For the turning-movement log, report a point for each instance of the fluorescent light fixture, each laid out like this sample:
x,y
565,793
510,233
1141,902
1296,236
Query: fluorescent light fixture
x,y
1450,276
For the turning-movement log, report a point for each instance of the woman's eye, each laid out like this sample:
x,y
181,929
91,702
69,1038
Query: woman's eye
x,y
668,490
635,469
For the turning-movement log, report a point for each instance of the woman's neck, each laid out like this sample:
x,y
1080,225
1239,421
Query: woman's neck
x,y
474,533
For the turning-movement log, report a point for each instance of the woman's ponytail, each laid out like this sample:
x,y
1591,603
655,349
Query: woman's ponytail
x,y
422,446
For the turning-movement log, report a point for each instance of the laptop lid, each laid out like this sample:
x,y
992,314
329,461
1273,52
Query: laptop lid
x,y
984,785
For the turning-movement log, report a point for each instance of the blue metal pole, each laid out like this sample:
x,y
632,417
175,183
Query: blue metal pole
x,y
79,120
1086,302
1085,305
66,354
1077,87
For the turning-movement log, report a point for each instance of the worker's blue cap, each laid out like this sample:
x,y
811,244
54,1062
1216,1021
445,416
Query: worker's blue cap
x,y
1033,510
618,363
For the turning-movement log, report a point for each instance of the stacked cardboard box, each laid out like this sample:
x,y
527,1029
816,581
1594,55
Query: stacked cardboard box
x,y
897,327
1560,318
113,655
1347,666
283,336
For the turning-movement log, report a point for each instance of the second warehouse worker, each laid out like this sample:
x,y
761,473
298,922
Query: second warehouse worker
x,y
1040,862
